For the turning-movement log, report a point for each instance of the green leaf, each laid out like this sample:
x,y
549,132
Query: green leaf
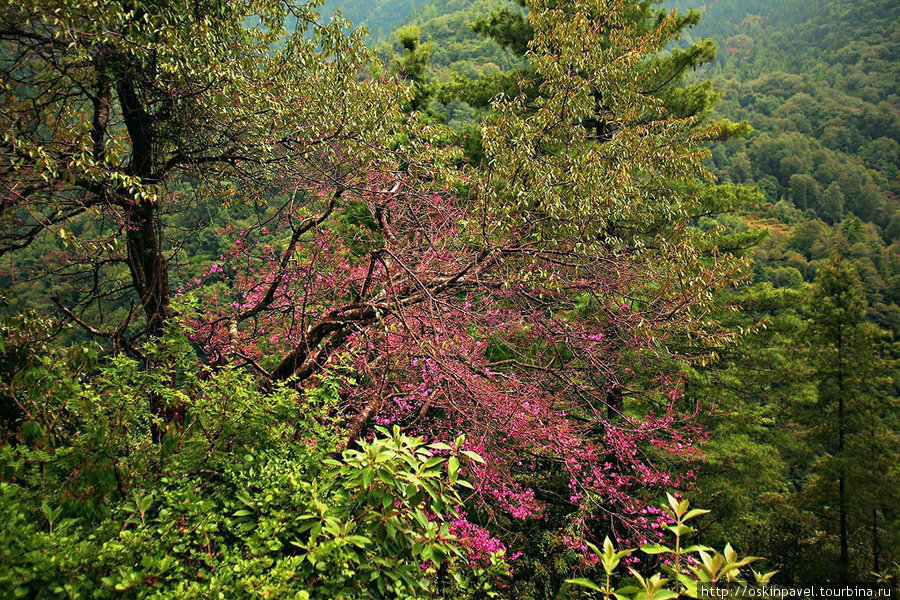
x,y
585,583
453,468
386,477
432,462
360,541
680,529
368,477
696,512
764,577
48,512
672,502
628,589
656,549
473,455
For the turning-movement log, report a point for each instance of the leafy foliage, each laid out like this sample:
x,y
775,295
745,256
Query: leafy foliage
x,y
437,325
244,500
688,567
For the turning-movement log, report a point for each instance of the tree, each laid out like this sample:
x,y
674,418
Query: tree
x,y
852,423
413,65
142,106
805,191
831,206
745,477
662,77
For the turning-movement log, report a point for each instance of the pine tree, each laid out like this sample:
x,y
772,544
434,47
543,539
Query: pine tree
x,y
745,476
663,76
413,67
851,426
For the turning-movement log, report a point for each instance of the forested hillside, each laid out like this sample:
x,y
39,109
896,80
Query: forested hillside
x,y
818,83
513,299
380,17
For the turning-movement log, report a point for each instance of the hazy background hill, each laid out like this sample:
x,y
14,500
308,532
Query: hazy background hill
x,y
379,16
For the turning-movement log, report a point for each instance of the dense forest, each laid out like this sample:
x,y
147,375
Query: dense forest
x,y
483,299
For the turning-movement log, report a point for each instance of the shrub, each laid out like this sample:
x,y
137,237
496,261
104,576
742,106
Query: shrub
x,y
246,498
687,567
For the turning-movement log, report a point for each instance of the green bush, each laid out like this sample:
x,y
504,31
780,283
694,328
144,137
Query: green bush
x,y
244,494
683,568
244,497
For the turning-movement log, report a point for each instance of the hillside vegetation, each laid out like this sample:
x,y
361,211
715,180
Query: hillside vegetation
x,y
482,304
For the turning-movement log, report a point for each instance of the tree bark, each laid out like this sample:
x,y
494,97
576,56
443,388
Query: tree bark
x,y
146,261
842,479
615,402
875,558
149,270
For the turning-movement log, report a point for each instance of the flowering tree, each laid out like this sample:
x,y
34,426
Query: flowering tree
x,y
541,303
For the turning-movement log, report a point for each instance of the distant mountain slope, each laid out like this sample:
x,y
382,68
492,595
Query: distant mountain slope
x,y
819,81
758,36
446,23
379,16
382,17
